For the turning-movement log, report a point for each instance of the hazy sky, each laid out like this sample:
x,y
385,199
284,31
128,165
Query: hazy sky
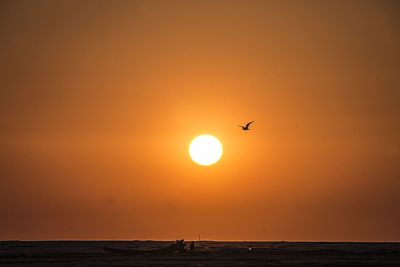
x,y
99,101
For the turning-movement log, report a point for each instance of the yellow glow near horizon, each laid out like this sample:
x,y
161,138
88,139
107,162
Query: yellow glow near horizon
x,y
205,150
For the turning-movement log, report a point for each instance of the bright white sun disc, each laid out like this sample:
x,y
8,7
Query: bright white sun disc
x,y
205,150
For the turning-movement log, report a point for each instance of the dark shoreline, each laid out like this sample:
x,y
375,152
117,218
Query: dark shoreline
x,y
207,253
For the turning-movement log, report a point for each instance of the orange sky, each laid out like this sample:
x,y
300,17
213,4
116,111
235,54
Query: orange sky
x,y
99,101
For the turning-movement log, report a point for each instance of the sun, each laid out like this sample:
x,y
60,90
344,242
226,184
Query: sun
x,y
205,150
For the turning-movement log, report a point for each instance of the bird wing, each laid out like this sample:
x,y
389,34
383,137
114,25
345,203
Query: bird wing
x,y
248,124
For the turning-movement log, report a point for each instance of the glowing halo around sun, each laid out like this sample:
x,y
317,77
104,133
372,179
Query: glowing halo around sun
x,y
205,150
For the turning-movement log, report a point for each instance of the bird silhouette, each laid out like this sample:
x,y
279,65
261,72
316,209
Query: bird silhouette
x,y
246,128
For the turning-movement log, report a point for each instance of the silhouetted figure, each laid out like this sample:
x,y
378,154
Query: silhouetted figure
x,y
191,247
246,128
180,245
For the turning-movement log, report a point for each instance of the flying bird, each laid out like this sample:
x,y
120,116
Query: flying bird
x,y
246,128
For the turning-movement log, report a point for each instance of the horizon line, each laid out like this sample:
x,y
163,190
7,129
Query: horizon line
x,y
205,240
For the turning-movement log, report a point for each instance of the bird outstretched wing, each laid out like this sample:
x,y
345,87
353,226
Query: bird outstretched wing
x,y
248,124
